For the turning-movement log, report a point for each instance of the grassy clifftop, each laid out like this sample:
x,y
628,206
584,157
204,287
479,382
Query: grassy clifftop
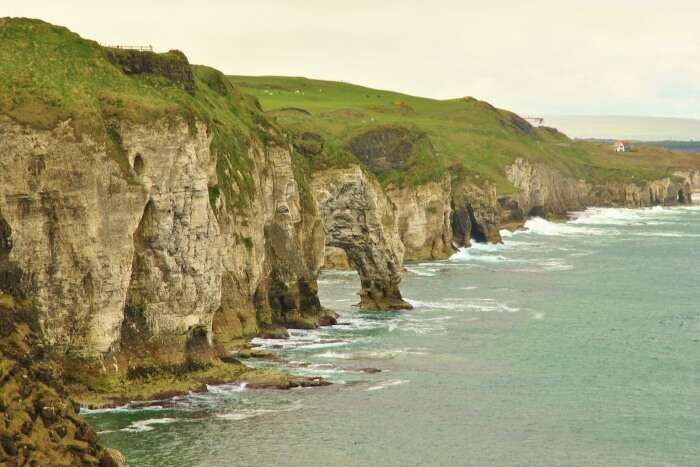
x,y
50,74
466,135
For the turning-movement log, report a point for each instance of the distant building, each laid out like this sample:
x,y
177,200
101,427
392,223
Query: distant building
x,y
622,146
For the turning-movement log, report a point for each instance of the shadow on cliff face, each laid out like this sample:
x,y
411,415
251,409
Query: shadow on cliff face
x,y
10,275
388,147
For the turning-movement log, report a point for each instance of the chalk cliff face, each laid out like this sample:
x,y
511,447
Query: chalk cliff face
x,y
360,219
545,190
126,260
423,214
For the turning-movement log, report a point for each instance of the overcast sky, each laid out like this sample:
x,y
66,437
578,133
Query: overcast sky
x,y
621,57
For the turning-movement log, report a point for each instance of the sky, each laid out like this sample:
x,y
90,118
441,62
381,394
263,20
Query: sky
x,y
535,57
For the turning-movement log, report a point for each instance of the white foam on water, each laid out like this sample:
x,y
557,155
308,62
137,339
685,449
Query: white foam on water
x,y
450,305
540,226
226,388
243,414
147,425
468,254
420,273
370,354
606,216
488,306
470,287
555,264
387,384
505,233
121,408
665,234
538,315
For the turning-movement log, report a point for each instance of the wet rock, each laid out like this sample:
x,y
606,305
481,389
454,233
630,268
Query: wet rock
x,y
274,332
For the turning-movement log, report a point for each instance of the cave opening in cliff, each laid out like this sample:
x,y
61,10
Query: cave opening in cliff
x,y
138,164
477,231
681,197
5,238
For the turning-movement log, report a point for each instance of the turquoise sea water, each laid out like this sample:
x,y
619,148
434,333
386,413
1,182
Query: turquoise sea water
x,y
570,344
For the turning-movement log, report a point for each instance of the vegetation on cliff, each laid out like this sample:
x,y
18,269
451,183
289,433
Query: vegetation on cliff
x,y
51,74
466,137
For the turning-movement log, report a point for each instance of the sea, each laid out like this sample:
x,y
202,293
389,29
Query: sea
x,y
570,344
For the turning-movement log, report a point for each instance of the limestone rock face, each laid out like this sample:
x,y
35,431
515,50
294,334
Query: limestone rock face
x,y
360,219
476,213
129,254
71,258
272,250
545,190
175,283
335,258
423,214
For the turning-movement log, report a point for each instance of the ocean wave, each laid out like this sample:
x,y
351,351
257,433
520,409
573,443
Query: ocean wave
x,y
451,305
555,264
607,216
147,425
141,406
540,226
421,273
665,234
226,388
370,354
487,306
467,254
387,384
243,414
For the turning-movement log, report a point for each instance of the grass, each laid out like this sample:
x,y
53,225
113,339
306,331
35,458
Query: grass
x,y
469,137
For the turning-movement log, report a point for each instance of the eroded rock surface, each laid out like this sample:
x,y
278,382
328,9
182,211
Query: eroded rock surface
x,y
360,219
423,214
137,257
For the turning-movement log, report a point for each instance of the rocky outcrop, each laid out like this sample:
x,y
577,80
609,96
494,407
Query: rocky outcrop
x,y
40,425
360,219
172,65
423,215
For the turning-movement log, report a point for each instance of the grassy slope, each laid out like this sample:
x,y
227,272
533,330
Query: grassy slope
x,y
465,132
50,74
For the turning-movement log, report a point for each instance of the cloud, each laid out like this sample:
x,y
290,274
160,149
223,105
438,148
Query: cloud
x,y
539,56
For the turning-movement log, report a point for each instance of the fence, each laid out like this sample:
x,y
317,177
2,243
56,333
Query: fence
x,y
140,48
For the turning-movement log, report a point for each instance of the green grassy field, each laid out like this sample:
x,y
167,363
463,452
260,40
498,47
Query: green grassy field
x,y
469,136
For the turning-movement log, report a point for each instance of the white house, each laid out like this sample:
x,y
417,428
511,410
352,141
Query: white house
x,y
621,146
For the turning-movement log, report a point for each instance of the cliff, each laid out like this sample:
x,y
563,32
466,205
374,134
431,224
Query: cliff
x,y
547,191
151,212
